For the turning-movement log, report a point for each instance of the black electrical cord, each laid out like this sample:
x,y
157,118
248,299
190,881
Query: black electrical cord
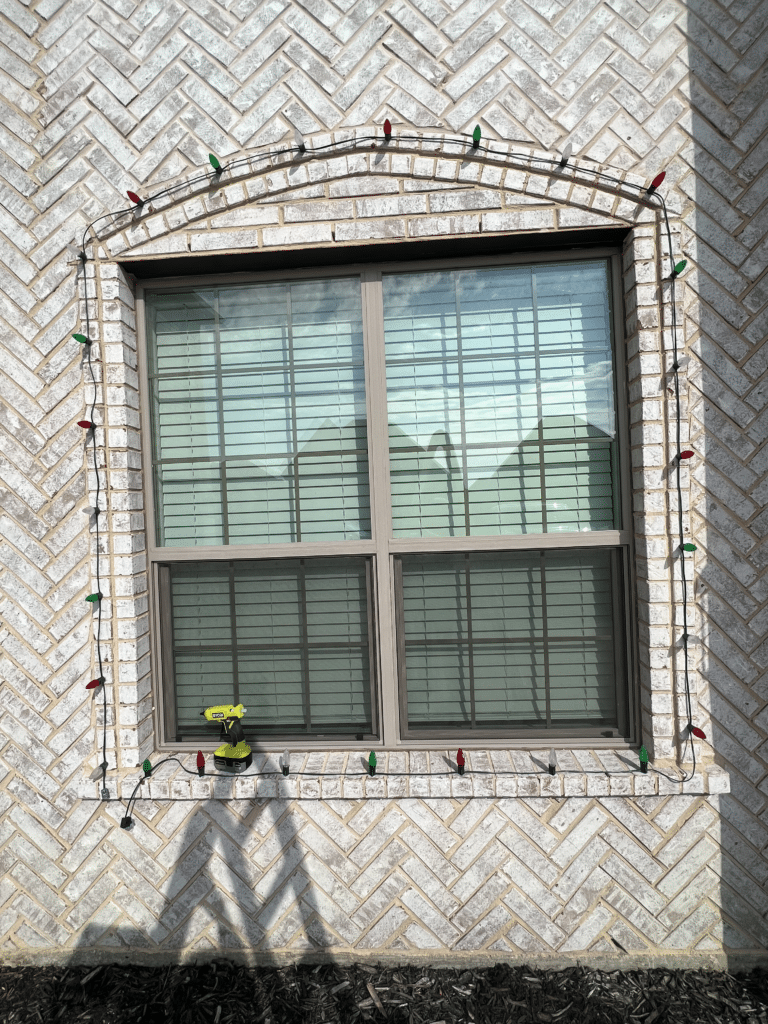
x,y
365,774
97,514
653,199
679,488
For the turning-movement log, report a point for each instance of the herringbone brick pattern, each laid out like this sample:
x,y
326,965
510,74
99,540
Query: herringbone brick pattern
x,y
504,875
98,97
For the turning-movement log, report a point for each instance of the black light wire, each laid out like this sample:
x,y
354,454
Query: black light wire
x,y
377,774
214,177
97,514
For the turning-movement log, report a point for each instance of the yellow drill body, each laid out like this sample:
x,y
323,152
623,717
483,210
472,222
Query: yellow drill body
x,y
235,754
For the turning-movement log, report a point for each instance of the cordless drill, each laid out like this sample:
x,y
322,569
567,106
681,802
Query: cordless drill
x,y
234,755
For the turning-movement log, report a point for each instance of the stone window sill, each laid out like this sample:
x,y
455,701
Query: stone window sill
x,y
343,775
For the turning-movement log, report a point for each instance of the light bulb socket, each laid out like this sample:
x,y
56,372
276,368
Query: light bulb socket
x,y
460,769
552,769
126,822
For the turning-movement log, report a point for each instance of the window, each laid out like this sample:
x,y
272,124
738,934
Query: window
x,y
388,502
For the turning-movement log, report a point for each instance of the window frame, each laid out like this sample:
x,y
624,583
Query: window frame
x,y
387,710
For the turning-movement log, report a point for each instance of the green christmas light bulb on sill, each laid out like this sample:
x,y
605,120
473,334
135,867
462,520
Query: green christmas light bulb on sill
x,y
81,339
689,547
476,136
215,164
94,598
679,268
643,757
147,766
372,763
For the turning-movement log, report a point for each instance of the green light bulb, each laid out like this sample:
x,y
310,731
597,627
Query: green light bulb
x,y
476,135
81,338
643,758
93,598
680,267
372,763
147,767
214,162
689,547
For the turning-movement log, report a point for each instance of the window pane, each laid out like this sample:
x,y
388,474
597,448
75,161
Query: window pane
x,y
499,382
510,640
258,409
287,638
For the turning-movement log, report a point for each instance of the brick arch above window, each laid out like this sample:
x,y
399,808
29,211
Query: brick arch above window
x,y
409,188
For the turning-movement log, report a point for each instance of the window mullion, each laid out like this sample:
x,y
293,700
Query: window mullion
x,y
381,510
233,629
220,422
545,637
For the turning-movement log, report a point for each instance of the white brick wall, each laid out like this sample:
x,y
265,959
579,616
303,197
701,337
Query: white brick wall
x,y
100,98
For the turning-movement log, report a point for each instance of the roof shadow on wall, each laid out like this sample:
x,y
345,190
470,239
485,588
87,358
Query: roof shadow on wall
x,y
727,589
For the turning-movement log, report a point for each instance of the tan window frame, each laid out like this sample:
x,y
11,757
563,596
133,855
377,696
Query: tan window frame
x,y
382,547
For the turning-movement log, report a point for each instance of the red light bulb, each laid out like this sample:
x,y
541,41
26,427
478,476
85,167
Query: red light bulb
x,y
387,129
687,454
200,763
460,762
94,683
655,183
85,424
134,198
698,733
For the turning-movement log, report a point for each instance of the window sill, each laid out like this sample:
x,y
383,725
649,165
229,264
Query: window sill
x,y
343,776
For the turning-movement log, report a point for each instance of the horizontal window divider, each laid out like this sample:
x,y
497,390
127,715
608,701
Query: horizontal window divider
x,y
260,552
250,648
471,357
462,642
482,445
242,371
303,453
510,542
530,741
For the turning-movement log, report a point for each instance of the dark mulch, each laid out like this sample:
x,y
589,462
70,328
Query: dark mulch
x,y
226,993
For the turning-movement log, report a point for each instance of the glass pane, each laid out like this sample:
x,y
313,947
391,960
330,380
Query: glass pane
x,y
510,639
261,390
498,382
287,638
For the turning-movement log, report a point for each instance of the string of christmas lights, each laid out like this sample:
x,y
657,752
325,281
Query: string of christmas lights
x,y
372,770
646,194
